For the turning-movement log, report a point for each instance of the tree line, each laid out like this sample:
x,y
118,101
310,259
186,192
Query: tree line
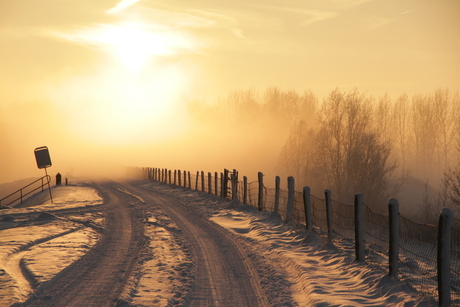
x,y
353,142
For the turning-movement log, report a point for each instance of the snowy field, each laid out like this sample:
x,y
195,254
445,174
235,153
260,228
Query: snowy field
x,y
40,240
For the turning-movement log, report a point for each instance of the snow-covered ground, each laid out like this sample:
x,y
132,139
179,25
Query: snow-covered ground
x,y
36,246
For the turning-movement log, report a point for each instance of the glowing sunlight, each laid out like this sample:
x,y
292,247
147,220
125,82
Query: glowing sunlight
x,y
138,90
134,44
125,108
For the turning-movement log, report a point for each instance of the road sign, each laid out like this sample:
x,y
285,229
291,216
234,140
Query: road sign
x,y
42,156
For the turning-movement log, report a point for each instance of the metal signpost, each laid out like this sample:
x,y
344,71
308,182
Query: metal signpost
x,y
42,156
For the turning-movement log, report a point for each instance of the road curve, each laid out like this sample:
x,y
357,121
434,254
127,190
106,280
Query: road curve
x,y
98,278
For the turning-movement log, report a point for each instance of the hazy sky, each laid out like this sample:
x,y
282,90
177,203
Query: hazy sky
x,y
114,72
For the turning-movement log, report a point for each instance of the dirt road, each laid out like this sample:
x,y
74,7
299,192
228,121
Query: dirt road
x,y
224,276
223,273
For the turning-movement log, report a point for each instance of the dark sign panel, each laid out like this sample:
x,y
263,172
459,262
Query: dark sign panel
x,y
42,156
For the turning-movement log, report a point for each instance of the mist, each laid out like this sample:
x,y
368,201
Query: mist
x,y
275,131
203,86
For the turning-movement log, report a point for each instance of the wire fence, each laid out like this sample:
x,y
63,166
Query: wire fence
x,y
418,243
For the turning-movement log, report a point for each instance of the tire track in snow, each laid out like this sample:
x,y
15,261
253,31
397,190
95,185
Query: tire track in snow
x,y
224,276
15,268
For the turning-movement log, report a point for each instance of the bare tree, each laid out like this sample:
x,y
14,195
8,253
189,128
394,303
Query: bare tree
x,y
401,122
351,157
296,155
425,135
383,118
451,185
445,111
451,182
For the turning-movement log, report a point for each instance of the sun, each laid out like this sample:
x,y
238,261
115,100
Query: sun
x,y
124,103
133,44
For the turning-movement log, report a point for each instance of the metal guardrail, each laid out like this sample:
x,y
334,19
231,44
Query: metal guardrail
x,y
21,191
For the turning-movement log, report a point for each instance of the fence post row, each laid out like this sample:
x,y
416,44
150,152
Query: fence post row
x,y
393,215
444,237
359,228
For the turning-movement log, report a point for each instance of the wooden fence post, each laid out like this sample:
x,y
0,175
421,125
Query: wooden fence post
x,y
359,228
277,195
393,215
196,181
307,208
221,184
235,182
245,189
444,256
209,183
290,200
189,180
225,183
327,194
216,183
232,180
185,178
179,176
260,199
